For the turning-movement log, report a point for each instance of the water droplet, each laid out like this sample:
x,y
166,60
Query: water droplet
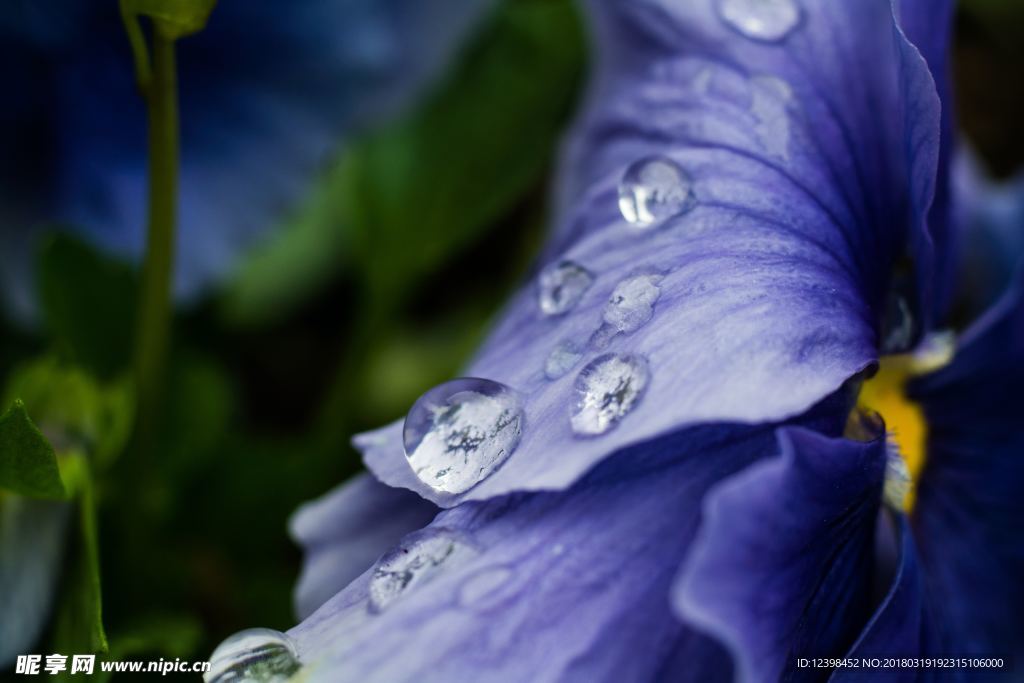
x,y
765,20
631,304
483,589
459,432
653,189
256,655
607,389
418,559
770,101
562,359
562,285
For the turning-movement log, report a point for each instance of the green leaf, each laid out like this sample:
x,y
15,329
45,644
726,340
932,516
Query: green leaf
x,y
28,465
297,259
75,409
428,186
173,18
88,305
78,626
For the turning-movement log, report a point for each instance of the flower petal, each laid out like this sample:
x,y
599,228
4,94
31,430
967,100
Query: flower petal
x,y
901,626
31,546
812,163
569,585
990,221
969,516
781,567
344,532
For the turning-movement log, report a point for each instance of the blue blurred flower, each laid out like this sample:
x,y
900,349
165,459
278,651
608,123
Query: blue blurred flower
x,y
267,94
754,218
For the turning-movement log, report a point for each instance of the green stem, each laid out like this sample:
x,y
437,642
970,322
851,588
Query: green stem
x,y
154,312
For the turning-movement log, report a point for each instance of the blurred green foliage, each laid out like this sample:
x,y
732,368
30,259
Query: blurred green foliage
x,y
377,288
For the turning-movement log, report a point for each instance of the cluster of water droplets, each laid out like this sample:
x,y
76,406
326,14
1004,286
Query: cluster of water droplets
x,y
256,655
459,432
763,20
419,559
654,189
607,389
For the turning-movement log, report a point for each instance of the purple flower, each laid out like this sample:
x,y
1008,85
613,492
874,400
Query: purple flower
x,y
754,218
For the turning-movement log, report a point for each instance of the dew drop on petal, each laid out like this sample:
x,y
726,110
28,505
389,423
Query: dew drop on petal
x,y
459,432
256,655
764,20
632,301
562,285
562,359
654,189
607,389
417,560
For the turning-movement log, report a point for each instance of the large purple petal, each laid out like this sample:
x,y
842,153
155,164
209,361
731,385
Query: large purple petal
x,y
969,516
782,566
812,162
928,25
344,532
568,585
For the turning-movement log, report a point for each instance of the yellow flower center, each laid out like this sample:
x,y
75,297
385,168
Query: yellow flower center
x,y
906,426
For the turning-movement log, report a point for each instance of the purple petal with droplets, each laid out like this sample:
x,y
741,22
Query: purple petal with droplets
x,y
578,581
343,533
813,163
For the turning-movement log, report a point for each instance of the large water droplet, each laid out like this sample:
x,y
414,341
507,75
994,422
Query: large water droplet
x,y
419,558
562,285
256,655
562,359
631,304
607,389
457,433
765,20
653,189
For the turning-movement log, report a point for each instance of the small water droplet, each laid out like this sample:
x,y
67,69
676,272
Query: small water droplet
x,y
653,189
764,20
256,655
562,359
418,559
607,389
631,304
459,432
770,102
483,589
562,285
